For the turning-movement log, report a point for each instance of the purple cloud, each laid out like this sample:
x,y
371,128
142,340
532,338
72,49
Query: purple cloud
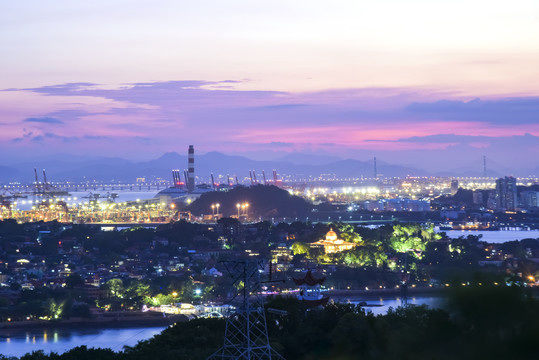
x,y
44,120
150,118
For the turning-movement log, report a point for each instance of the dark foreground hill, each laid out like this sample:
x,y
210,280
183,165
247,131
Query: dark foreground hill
x,y
481,323
263,201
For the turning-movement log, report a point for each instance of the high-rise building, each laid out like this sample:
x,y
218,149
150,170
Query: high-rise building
x,y
529,199
477,197
506,194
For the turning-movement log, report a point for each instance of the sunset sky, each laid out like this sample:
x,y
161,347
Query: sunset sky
x,y
435,84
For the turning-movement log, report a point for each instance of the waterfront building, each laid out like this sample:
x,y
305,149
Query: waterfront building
x,y
310,291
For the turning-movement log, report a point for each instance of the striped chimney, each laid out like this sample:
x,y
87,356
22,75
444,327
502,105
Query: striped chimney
x,y
191,179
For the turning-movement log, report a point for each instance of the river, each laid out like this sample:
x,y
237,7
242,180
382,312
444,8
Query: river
x,y
62,340
496,236
379,305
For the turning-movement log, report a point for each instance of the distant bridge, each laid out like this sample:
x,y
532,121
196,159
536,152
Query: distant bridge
x,y
30,189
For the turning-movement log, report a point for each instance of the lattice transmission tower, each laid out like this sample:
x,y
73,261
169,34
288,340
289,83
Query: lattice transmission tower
x,y
246,332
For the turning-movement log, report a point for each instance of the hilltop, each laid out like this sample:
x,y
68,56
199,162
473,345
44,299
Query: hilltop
x,y
264,201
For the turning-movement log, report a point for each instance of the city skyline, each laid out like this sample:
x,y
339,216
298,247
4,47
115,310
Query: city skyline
x,y
435,86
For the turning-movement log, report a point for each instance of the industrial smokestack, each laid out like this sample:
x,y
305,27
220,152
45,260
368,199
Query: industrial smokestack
x,y
264,176
191,180
375,170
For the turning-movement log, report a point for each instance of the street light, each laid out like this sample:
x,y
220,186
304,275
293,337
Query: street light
x,y
238,206
217,207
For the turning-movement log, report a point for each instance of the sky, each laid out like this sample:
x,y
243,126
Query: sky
x,y
433,84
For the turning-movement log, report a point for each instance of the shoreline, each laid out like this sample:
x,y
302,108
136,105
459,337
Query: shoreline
x,y
385,292
9,329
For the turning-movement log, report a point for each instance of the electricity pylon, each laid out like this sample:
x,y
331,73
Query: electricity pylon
x,y
246,332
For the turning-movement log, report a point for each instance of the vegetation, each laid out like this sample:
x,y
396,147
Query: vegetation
x,y
478,323
161,269
375,246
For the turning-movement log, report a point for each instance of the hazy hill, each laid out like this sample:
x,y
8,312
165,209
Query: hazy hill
x,y
75,168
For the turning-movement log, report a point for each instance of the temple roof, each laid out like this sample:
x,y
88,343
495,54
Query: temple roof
x,y
331,235
309,279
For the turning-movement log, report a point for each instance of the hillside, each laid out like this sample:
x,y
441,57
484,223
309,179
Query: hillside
x,y
264,201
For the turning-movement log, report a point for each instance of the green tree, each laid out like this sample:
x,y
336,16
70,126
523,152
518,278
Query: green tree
x,y
115,288
56,309
299,248
411,238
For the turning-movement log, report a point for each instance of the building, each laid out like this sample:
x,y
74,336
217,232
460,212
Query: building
x,y
506,194
332,244
281,257
309,290
477,197
529,199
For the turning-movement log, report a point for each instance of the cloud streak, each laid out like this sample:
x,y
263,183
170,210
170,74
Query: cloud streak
x,y
43,120
497,112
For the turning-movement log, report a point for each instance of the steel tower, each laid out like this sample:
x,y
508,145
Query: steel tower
x,y
246,332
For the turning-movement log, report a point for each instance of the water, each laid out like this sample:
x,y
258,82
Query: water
x,y
380,305
496,236
62,340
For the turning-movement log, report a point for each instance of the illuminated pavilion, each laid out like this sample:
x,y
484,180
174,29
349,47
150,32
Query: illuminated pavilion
x,y
332,244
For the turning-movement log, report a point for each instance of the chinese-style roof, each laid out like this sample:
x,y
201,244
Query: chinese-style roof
x,y
309,279
331,235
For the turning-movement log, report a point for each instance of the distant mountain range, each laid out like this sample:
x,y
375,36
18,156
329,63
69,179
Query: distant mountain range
x,y
77,168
